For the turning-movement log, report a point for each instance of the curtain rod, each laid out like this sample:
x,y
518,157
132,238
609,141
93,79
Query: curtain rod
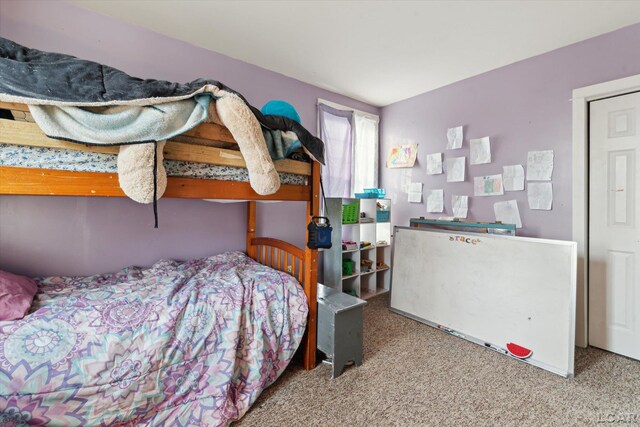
x,y
345,108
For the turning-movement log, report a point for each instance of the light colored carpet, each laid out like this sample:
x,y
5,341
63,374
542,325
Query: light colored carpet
x,y
414,375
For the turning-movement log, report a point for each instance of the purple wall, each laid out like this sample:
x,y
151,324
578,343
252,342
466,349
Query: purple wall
x,y
66,235
524,106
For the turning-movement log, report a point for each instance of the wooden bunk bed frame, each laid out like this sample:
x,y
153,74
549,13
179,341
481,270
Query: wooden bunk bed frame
x,y
207,143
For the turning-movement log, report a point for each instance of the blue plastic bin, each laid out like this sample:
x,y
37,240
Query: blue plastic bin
x,y
383,216
376,193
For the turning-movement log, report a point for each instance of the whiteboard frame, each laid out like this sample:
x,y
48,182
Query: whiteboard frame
x,y
460,334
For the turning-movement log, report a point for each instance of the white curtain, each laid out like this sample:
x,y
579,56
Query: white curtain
x,y
336,132
365,152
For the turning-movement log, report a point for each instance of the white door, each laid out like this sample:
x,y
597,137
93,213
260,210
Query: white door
x,y
614,225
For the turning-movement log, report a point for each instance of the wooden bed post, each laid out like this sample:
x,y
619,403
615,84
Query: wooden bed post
x,y
251,229
311,274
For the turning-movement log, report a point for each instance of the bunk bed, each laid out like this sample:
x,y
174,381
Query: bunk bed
x,y
208,144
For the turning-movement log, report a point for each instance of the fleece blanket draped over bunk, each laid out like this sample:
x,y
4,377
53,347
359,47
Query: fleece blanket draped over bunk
x,y
42,79
177,344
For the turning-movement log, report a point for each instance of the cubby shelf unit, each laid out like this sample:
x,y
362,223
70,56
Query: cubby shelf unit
x,y
363,284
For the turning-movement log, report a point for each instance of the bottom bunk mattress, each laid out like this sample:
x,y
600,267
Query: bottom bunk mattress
x,y
191,343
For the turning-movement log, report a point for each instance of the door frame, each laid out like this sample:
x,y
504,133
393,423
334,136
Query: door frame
x,y
580,232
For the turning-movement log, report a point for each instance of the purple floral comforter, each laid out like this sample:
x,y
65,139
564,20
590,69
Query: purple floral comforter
x,y
177,344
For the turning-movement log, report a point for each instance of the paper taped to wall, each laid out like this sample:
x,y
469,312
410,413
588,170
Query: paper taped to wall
x,y
402,156
454,138
513,178
405,180
455,169
435,200
415,192
507,212
539,165
460,206
490,185
480,151
540,195
414,197
434,164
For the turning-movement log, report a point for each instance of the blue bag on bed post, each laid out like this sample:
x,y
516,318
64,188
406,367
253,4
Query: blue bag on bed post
x,y
319,233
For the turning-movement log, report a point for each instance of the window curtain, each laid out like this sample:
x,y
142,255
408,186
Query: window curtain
x,y
336,130
365,152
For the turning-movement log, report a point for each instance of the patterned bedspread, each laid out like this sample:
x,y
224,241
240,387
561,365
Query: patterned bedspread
x,y
177,344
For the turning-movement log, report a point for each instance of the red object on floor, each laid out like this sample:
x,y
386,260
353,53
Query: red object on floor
x,y
518,351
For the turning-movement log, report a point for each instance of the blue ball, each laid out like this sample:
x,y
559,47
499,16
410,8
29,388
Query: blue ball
x,y
281,108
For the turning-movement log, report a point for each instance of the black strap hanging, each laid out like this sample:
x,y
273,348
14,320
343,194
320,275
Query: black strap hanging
x,y
155,183
321,207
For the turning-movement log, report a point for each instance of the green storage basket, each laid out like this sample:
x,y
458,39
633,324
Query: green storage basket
x,y
350,213
347,267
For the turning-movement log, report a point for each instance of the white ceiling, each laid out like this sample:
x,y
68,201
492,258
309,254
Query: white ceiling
x,y
379,52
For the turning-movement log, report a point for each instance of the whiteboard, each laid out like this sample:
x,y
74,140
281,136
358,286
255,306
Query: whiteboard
x,y
491,290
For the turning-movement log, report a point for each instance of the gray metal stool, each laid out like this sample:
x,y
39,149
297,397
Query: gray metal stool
x,y
340,327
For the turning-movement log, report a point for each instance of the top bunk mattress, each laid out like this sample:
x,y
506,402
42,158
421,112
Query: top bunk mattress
x,y
85,161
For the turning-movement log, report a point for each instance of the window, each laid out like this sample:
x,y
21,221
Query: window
x,y
351,149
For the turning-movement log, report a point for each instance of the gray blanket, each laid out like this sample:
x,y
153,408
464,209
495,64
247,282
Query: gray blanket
x,y
35,77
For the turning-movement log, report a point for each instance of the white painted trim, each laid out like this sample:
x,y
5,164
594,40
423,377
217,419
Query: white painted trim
x,y
580,101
